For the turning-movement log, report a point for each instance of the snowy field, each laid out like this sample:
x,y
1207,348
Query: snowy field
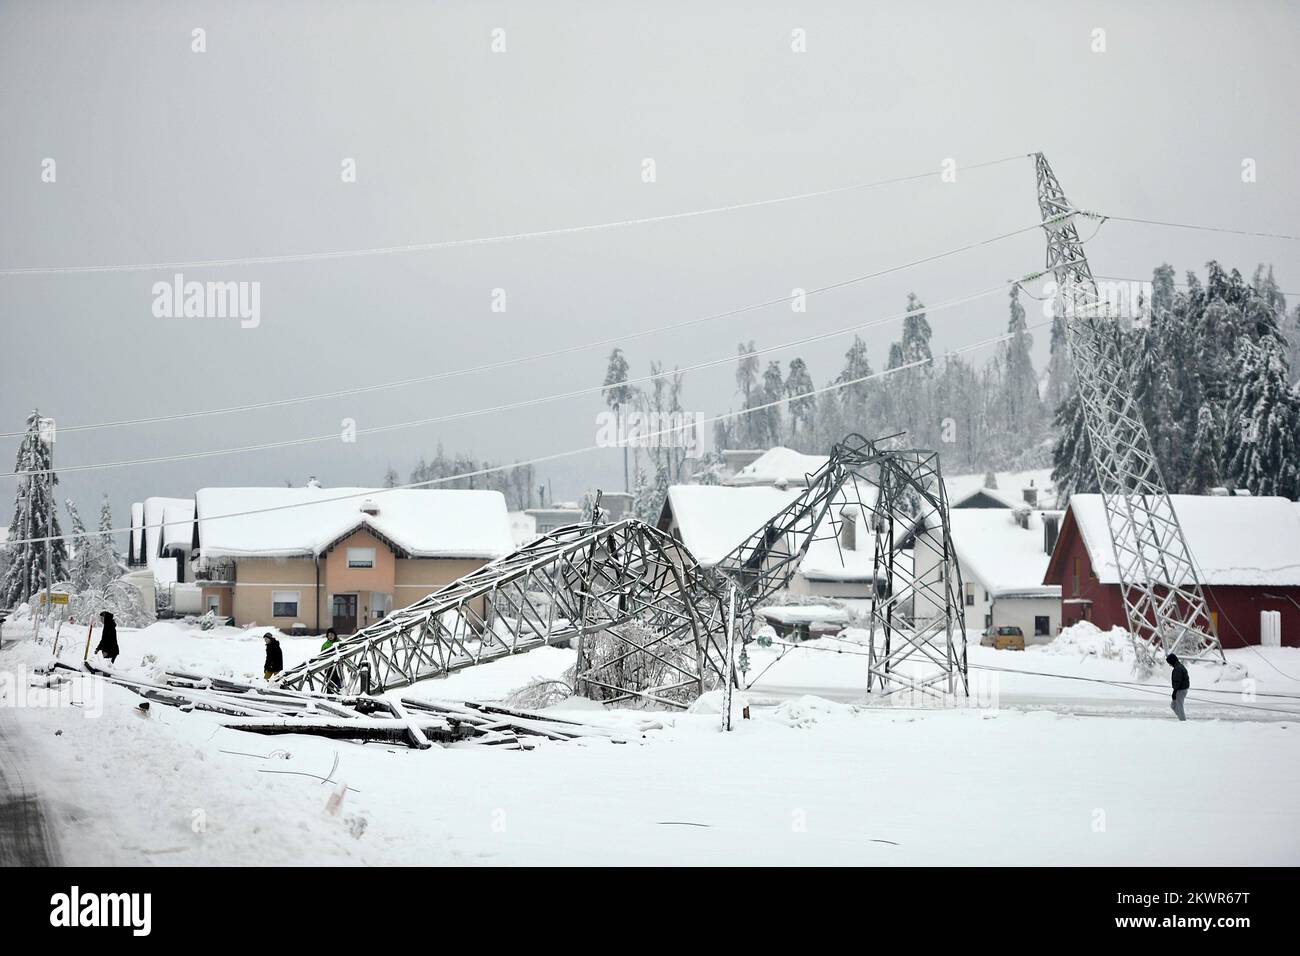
x,y
1041,770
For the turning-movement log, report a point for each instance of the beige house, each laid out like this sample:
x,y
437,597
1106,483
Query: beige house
x,y
315,558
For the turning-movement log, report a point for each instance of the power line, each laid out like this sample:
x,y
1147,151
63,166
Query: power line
x,y
1184,225
484,240
509,406
507,363
543,459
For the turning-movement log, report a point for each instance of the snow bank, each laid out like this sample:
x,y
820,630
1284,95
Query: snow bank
x,y
808,711
1085,639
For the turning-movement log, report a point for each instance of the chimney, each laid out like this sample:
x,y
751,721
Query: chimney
x,y
1051,531
369,507
312,482
1031,494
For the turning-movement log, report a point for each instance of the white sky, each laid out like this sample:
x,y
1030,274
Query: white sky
x,y
165,154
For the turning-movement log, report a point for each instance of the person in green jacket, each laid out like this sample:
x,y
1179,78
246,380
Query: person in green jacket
x,y
334,676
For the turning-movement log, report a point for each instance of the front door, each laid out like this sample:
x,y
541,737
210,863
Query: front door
x,y
345,613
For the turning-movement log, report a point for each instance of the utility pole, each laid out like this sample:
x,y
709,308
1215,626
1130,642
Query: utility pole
x,y
26,504
1163,601
47,425
622,440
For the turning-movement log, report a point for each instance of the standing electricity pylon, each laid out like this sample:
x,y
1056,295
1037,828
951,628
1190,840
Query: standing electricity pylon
x,y
1163,600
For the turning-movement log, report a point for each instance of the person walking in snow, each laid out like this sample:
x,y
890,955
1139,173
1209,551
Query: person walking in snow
x,y
274,656
1181,683
334,676
107,645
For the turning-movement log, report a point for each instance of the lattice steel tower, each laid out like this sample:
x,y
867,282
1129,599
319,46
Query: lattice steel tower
x,y
1163,600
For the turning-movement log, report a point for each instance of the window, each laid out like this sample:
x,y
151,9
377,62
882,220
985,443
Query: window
x,y
361,557
849,529
284,603
214,604
970,594
381,605
1042,626
1076,577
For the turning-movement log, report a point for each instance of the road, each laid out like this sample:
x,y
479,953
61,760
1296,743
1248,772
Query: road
x,y
1145,706
25,836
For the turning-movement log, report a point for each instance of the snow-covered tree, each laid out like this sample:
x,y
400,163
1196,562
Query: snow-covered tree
x,y
618,396
1073,469
798,386
34,517
1262,444
773,391
93,564
106,534
1021,406
916,331
1206,459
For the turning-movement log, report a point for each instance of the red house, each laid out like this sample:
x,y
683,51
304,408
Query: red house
x,y
1247,552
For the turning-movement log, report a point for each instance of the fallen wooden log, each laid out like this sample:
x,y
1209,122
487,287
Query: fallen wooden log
x,y
365,729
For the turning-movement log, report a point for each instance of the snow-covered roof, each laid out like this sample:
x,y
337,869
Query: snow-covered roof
x,y
137,529
159,512
523,528
1243,541
424,523
1005,558
779,464
178,525
714,519
1009,491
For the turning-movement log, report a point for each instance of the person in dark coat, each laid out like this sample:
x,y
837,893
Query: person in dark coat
x,y
107,645
274,656
1181,682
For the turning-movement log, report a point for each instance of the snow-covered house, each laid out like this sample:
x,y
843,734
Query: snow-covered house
x,y
712,520
777,466
1014,489
552,517
1247,552
339,557
161,539
1003,558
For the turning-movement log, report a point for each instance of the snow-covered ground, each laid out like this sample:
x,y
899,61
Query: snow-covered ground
x,y
1042,769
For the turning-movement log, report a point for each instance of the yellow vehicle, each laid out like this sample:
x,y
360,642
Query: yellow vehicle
x,y
1004,638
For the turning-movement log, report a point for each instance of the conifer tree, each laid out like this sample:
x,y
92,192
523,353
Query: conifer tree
x,y
1262,443
34,517
1206,459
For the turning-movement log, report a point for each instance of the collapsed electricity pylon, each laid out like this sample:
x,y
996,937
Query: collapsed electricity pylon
x,y
626,589
918,625
1163,600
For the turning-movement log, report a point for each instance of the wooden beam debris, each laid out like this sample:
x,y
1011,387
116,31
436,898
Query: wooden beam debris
x,y
418,724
